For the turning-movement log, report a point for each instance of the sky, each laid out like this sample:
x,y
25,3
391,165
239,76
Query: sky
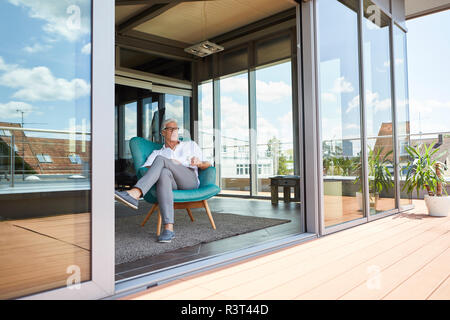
x,y
428,43
45,63
45,70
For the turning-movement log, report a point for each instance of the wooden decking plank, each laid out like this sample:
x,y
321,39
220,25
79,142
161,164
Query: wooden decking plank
x,y
401,270
442,292
338,286
280,272
290,255
424,282
296,282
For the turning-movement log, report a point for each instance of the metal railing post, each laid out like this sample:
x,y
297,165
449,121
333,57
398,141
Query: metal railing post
x,y
13,160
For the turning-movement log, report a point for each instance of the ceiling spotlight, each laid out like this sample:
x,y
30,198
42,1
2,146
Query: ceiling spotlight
x,y
204,49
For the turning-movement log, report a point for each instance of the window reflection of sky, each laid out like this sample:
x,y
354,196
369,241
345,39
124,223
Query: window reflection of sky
x,y
339,76
45,66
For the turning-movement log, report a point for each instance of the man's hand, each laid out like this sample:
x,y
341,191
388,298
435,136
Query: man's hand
x,y
195,162
202,165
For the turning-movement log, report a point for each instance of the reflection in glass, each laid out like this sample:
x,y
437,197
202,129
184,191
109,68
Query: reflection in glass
x,y
177,107
206,120
340,111
274,132
235,151
149,110
45,146
378,106
402,105
130,110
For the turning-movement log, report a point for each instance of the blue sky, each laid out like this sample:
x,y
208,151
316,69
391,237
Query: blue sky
x,y
45,63
429,72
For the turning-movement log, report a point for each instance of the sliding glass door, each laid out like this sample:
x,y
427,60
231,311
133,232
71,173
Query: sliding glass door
x,y
340,110
378,109
274,125
364,113
55,242
234,131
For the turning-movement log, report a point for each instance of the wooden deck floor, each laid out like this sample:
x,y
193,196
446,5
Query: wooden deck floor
x,y
405,256
35,253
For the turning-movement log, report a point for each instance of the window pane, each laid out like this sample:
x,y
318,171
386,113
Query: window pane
x,y
45,198
402,105
275,147
149,109
206,121
177,107
377,84
340,111
130,127
234,133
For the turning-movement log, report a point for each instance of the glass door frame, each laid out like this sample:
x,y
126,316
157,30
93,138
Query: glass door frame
x,y
102,283
312,13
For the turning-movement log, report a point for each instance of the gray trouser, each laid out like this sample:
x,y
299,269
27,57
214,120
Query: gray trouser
x,y
168,175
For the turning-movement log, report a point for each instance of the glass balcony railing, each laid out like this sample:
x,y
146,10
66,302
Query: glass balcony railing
x,y
37,160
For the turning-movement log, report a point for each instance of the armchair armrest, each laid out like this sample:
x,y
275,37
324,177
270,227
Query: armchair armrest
x,y
207,176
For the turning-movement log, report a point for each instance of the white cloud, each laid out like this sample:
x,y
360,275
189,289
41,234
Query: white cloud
x,y
9,110
37,47
372,99
234,85
398,61
429,116
39,84
63,19
353,104
6,67
272,91
352,126
329,97
86,49
342,86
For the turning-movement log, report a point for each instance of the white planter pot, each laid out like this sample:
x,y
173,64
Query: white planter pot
x,y
437,206
372,198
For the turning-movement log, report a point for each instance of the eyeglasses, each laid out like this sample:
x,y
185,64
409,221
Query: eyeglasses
x,y
170,129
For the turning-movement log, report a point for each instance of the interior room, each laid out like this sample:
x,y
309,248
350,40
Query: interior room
x,y
235,96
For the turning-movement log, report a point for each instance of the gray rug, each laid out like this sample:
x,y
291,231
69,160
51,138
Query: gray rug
x,y
134,242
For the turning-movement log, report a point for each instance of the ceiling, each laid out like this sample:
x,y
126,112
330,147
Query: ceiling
x,y
417,8
191,22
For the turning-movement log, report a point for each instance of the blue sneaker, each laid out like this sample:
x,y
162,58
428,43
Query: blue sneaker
x,y
126,199
166,236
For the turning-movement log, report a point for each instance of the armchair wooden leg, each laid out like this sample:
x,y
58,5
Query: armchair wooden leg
x,y
149,214
190,214
158,227
208,212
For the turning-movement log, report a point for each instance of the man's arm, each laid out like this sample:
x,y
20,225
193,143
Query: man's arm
x,y
197,159
200,164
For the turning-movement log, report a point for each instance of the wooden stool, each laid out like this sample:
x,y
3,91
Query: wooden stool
x,y
287,182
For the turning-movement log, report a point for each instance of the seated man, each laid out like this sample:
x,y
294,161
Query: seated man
x,y
174,166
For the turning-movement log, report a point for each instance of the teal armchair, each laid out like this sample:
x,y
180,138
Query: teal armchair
x,y
183,199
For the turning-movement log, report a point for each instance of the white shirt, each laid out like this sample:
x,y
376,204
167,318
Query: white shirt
x,y
183,152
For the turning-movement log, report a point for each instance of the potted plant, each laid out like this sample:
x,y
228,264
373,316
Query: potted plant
x,y
380,178
424,172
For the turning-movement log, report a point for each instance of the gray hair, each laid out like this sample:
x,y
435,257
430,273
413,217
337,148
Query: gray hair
x,y
165,122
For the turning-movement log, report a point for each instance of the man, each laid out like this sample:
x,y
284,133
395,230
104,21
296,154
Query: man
x,y
174,166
